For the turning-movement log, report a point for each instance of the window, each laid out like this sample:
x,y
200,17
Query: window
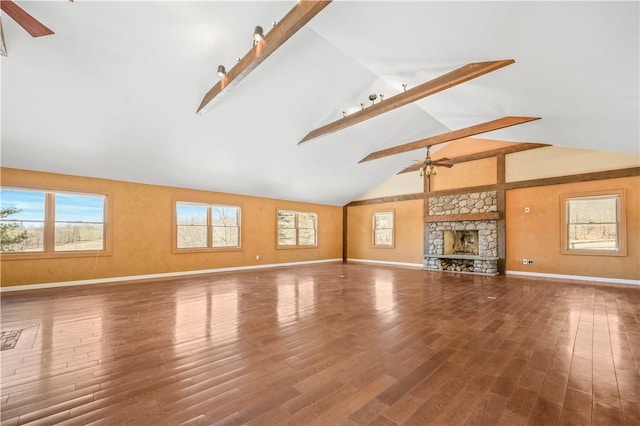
x,y
383,229
594,224
207,226
36,221
297,229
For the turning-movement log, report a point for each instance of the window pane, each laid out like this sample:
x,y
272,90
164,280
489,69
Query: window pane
x,y
226,236
287,237
286,219
593,223
307,220
79,208
593,210
191,214
593,237
79,222
225,216
383,220
79,236
383,237
22,236
22,221
307,237
190,236
29,204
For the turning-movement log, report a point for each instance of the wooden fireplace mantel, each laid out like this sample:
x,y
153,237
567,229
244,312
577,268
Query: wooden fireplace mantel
x,y
461,217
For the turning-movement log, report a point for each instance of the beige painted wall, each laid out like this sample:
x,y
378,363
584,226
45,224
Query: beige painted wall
x,y
409,228
555,161
462,175
142,229
405,183
536,235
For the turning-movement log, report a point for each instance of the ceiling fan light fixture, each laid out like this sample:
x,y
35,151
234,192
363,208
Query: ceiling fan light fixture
x,y
428,170
221,71
428,167
258,34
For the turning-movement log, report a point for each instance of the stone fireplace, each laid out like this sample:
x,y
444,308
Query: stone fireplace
x,y
461,233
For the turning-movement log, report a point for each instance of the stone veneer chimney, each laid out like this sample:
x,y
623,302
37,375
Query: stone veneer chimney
x,y
476,211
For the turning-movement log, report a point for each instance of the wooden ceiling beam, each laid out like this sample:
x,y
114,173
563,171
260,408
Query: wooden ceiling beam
x,y
438,84
26,21
488,126
294,20
480,155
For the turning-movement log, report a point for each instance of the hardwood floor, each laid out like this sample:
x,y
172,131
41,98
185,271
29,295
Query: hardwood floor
x,y
323,344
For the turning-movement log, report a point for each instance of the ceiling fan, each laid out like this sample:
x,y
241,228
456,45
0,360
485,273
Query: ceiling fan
x,y
428,166
22,18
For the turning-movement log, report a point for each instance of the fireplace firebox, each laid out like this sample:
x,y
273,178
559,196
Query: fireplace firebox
x,y
461,242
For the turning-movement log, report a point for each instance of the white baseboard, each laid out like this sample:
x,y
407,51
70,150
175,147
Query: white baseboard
x,y
574,277
384,262
157,276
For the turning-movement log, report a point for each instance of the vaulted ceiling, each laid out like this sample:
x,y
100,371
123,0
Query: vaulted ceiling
x,y
114,92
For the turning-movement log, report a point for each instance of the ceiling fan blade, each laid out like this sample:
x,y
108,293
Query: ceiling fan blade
x,y
3,47
442,162
439,164
412,168
26,21
450,136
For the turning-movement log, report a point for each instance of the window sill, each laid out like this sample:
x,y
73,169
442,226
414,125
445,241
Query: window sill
x,y
55,255
603,253
205,250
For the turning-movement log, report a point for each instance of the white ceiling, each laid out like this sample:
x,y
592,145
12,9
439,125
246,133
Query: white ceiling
x,y
113,93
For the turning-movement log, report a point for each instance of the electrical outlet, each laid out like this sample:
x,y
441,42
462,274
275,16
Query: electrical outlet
x,y
530,261
525,261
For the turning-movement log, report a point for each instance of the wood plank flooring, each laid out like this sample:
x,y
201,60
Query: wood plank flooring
x,y
324,344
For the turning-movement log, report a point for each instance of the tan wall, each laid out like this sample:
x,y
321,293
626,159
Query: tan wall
x,y
409,235
142,228
536,235
462,175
